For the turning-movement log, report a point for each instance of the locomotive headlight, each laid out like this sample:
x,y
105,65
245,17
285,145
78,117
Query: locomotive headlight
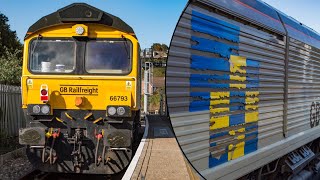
x,y
36,109
121,111
79,30
45,109
112,111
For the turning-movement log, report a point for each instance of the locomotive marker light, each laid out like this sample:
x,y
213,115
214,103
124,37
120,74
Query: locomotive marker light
x,y
45,109
36,109
44,93
39,109
79,30
118,111
112,111
121,111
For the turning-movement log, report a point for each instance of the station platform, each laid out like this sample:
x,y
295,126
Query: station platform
x,y
160,157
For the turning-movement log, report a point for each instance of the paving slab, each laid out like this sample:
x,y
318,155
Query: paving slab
x,y
161,157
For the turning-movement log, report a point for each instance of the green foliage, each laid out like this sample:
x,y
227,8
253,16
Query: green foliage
x,y
154,100
10,54
159,47
10,68
8,38
159,72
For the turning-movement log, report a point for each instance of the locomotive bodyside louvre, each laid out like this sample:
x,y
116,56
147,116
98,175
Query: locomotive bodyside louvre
x,y
230,105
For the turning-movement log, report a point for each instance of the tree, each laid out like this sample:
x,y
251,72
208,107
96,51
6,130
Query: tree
x,y
8,38
10,68
159,47
10,54
164,47
156,47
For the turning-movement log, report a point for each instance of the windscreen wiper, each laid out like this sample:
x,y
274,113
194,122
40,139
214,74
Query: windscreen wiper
x,y
126,46
37,41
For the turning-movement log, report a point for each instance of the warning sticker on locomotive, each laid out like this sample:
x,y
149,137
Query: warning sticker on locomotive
x,y
92,90
128,85
30,83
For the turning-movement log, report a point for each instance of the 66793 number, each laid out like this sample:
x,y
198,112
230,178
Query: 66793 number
x,y
118,98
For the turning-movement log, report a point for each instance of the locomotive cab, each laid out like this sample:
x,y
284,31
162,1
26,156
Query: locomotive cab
x,y
80,91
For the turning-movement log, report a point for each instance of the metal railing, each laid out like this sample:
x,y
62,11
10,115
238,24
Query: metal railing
x,y
11,114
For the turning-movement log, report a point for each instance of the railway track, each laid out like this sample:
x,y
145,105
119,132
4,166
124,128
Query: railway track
x,y
39,175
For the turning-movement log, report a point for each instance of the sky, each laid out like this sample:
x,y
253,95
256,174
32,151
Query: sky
x,y
305,11
152,20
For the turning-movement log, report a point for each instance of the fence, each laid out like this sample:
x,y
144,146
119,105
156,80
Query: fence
x,y
11,114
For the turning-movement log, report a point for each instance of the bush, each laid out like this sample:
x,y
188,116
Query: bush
x,y
159,72
10,68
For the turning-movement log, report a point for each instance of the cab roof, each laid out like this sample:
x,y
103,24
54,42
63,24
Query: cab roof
x,y
80,13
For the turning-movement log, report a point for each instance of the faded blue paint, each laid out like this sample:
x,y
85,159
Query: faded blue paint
x,y
252,63
217,78
220,134
208,45
213,144
208,84
218,21
255,133
237,93
205,63
251,146
241,100
215,161
199,105
216,30
236,119
193,108
202,95
204,84
205,77
236,108
248,128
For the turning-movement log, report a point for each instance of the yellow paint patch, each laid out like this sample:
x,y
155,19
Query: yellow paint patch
x,y
251,117
219,110
241,137
251,107
239,86
237,152
237,78
222,101
236,62
241,130
232,133
252,93
250,100
219,95
219,122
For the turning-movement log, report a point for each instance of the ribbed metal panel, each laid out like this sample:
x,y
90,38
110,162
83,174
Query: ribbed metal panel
x,y
201,94
11,114
304,84
241,94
